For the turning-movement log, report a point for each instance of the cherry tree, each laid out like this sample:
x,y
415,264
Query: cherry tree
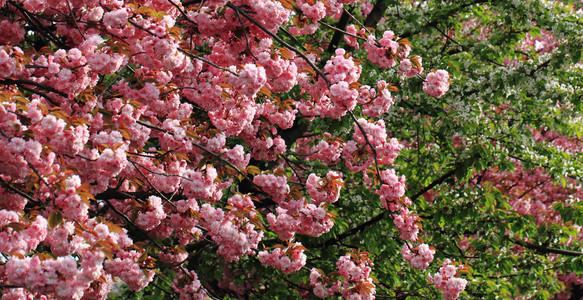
x,y
280,148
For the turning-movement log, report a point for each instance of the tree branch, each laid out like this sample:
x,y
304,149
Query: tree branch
x,y
545,250
337,37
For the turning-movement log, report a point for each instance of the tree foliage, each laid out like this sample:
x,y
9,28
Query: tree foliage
x,y
290,149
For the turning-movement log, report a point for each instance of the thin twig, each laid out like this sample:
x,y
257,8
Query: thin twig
x,y
340,30
357,21
245,34
127,219
374,152
206,61
19,192
148,180
182,12
544,249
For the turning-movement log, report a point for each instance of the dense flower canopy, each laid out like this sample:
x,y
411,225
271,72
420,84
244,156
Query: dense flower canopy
x,y
295,149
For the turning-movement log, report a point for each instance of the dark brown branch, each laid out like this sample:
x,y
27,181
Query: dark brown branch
x,y
38,26
545,250
128,221
33,83
377,12
17,191
206,61
51,100
337,37
245,29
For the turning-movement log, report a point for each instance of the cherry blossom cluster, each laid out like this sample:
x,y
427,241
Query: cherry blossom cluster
x,y
341,96
446,280
60,277
297,216
275,186
313,11
324,190
286,259
354,32
407,224
355,282
419,257
355,268
188,286
126,266
235,236
18,236
385,51
327,150
411,67
436,83
392,190
152,215
322,285
358,153
376,102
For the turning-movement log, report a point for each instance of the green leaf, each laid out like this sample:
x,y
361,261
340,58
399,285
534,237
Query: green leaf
x,y
55,219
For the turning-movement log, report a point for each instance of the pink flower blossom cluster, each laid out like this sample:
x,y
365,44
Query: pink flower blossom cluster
x,y
184,222
376,136
60,277
385,51
325,149
419,257
11,32
235,236
351,39
355,268
340,97
173,256
365,7
375,102
436,83
188,286
446,280
411,67
392,190
298,217
406,223
322,285
274,186
324,190
288,260
152,214
203,185
281,72
356,283
126,266
17,236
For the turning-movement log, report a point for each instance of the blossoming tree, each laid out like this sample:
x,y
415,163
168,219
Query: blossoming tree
x,y
281,148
